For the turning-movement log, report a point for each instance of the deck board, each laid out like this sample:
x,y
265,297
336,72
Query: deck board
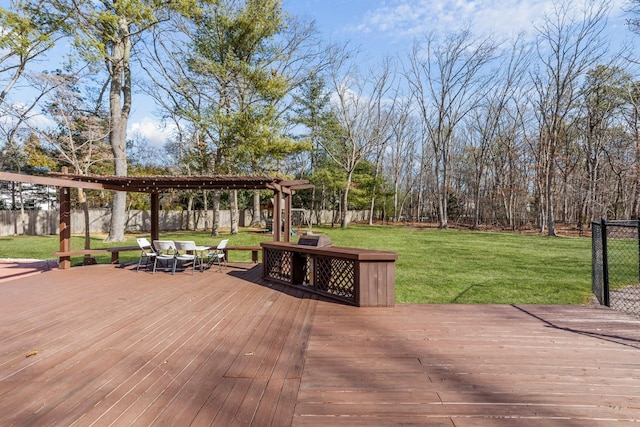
x,y
119,347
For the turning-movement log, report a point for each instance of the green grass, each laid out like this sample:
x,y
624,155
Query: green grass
x,y
434,266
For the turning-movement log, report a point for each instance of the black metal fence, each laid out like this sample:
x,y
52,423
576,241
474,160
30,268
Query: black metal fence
x,y
615,263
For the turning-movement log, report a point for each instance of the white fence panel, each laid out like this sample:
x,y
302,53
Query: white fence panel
x,y
33,222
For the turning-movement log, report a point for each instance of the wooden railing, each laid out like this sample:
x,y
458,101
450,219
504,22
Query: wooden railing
x,y
362,277
65,256
255,250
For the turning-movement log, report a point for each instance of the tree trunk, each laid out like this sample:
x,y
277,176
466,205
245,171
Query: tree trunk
x,y
205,202
233,204
85,209
190,212
344,222
119,108
312,208
256,221
550,219
216,213
442,198
551,230
395,201
476,198
371,209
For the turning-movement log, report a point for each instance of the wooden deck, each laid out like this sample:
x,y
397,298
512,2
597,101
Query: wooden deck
x,y
99,345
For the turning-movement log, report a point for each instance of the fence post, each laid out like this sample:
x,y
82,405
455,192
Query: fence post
x,y
638,240
605,263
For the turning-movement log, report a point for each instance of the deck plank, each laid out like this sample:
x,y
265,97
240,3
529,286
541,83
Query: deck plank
x,y
118,347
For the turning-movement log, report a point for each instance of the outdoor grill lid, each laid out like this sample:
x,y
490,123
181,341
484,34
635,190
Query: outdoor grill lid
x,y
313,240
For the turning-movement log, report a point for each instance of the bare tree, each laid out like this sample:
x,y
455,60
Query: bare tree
x,y
28,33
447,81
569,43
79,136
15,131
634,21
632,117
360,109
604,95
488,120
401,152
509,165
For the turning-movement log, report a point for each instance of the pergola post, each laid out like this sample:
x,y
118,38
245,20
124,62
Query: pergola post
x,y
65,226
155,214
277,215
287,217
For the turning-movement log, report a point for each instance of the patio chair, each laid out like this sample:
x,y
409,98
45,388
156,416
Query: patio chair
x,y
186,251
147,253
218,255
165,251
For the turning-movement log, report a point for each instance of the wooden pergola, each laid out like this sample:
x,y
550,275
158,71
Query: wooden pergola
x,y
156,185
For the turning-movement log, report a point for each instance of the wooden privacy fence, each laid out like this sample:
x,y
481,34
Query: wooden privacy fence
x,y
41,223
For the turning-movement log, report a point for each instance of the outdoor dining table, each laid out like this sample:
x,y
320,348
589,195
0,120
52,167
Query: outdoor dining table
x,y
201,250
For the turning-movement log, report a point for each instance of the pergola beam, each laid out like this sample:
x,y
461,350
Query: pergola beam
x,y
45,180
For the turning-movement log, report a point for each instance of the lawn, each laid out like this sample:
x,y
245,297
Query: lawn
x,y
434,266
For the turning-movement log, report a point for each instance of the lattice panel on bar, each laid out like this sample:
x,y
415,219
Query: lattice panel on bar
x,y
279,265
335,276
308,268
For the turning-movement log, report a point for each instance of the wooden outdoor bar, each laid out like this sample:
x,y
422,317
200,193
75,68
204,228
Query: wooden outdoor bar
x,y
361,277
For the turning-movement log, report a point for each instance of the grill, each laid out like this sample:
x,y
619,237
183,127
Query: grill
x,y
317,241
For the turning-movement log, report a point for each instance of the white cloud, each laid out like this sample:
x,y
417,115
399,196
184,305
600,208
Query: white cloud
x,y
35,119
152,130
409,18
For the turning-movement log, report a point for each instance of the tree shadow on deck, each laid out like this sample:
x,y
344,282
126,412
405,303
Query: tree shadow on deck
x,y
15,269
593,333
438,364
254,275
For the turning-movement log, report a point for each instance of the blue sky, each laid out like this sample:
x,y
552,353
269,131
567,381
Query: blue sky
x,y
388,27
